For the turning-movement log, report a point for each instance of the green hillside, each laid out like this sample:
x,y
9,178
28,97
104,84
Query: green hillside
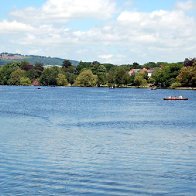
x,y
9,57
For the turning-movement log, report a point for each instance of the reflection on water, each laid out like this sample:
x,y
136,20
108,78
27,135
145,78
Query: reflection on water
x,y
96,141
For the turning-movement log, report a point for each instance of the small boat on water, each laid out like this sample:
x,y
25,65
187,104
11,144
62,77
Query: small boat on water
x,y
174,98
154,88
111,87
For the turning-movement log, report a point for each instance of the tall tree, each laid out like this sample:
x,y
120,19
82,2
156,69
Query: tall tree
x,y
69,71
62,80
86,79
36,71
187,76
122,77
111,77
6,70
140,80
82,65
49,76
189,62
16,76
66,63
166,75
26,66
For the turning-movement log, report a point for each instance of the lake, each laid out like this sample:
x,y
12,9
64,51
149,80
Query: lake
x,y
96,141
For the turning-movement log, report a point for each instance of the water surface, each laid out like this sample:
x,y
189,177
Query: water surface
x,y
96,141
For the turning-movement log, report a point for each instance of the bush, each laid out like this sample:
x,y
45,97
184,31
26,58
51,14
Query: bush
x,y
24,81
175,85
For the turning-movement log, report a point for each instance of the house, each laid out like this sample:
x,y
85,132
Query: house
x,y
150,72
132,72
36,83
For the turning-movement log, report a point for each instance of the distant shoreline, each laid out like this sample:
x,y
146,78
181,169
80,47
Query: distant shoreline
x,y
136,87
185,88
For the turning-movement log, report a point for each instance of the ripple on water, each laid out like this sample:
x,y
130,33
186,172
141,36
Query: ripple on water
x,y
81,141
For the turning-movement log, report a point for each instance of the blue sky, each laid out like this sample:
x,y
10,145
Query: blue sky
x,y
113,31
9,5
142,5
151,5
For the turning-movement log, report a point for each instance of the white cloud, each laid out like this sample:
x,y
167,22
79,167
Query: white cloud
x,y
185,5
106,56
63,10
168,28
162,35
14,27
78,8
155,20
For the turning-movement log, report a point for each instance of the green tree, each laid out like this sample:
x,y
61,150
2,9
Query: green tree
x,y
5,72
71,77
96,68
49,76
136,65
66,64
16,76
166,75
189,62
39,67
150,65
86,79
25,81
100,71
111,77
187,76
61,80
83,65
122,77
69,71
140,79
35,72
24,65
108,66
175,85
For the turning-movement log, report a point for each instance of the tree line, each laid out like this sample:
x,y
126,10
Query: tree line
x,y
89,74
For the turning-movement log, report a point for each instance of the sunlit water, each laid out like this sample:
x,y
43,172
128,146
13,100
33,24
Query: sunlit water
x,y
96,141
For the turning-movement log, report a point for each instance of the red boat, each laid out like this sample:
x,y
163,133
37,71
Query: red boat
x,y
175,98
